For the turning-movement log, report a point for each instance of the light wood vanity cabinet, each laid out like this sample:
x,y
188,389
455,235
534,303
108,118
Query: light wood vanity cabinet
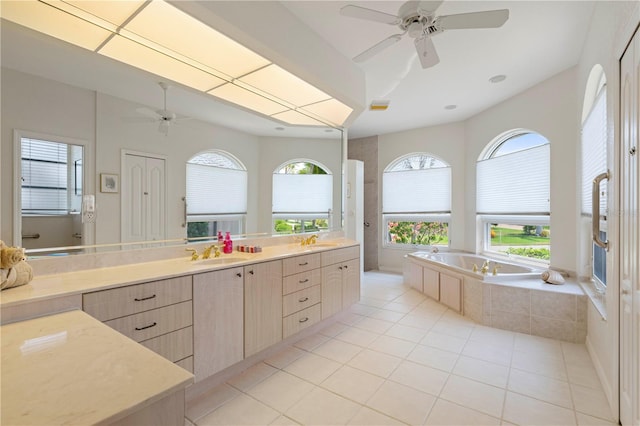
x,y
301,293
158,314
262,306
218,321
340,279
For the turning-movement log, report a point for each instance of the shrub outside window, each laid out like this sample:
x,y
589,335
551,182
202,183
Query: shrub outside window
x,y
416,201
513,199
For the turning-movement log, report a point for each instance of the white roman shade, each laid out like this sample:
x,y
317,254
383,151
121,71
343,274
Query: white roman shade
x,y
516,183
296,193
214,191
417,191
594,152
44,171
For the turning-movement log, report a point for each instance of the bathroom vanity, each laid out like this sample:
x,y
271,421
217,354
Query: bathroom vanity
x,y
205,316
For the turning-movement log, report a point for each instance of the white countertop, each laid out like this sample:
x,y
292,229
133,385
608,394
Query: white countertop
x,y
69,368
65,284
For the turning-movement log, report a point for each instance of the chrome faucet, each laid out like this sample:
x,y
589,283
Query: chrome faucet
x,y
194,253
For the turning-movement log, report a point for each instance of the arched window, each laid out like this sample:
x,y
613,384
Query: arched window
x,y
593,162
216,194
416,201
512,195
302,197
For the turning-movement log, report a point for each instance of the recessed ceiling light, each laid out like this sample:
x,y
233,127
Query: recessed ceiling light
x,y
451,107
280,128
498,78
379,105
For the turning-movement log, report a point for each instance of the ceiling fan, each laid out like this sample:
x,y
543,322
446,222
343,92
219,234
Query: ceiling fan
x,y
418,19
164,117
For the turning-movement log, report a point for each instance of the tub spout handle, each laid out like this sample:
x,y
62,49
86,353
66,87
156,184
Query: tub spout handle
x,y
495,269
475,268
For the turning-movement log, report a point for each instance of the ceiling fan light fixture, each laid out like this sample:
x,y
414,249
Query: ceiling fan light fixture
x,y
379,105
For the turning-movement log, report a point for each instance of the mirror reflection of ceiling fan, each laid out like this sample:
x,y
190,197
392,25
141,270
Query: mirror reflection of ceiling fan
x,y
164,117
418,19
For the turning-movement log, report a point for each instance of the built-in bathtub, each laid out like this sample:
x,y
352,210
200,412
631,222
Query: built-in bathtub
x,y
466,263
515,299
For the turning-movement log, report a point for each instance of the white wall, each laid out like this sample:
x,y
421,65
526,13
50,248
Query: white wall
x,y
611,29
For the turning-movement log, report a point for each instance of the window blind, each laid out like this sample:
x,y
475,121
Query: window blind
x,y
214,190
302,193
594,152
417,191
44,177
516,183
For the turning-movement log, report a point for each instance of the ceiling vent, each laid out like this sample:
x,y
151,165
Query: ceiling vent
x,y
379,105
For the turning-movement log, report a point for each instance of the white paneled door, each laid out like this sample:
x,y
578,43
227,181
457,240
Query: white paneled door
x,y
143,198
630,235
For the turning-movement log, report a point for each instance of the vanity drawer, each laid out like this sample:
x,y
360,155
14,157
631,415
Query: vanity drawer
x,y
186,363
149,324
301,320
118,302
295,265
173,346
330,257
299,300
301,281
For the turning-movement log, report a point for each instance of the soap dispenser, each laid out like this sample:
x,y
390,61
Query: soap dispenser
x,y
228,244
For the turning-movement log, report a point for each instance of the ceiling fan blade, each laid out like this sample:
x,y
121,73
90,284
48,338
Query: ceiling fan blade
x,y
149,113
488,19
426,52
428,7
377,48
369,14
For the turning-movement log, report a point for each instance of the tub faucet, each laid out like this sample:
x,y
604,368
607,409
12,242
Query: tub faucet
x,y
485,267
434,250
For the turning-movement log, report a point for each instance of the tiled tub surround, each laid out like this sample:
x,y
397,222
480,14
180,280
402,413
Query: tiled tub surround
x,y
523,304
529,306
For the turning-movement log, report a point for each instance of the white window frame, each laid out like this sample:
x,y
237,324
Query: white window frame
x,y
239,216
292,213
441,213
485,219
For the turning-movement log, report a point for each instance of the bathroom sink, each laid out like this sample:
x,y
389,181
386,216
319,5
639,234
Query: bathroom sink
x,y
219,261
322,245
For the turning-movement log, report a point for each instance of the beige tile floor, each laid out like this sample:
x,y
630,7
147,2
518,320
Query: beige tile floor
x,y
401,358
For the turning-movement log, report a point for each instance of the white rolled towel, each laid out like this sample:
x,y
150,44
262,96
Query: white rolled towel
x,y
552,277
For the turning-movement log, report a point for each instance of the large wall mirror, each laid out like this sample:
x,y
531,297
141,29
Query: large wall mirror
x,y
97,109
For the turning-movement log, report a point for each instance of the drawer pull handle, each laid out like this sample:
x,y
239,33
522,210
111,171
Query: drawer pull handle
x,y
147,326
239,275
303,299
305,319
145,298
340,267
251,272
304,281
303,264
346,266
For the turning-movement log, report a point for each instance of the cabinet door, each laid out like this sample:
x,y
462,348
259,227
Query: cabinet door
x,y
451,292
262,306
413,275
350,283
431,283
331,290
217,321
